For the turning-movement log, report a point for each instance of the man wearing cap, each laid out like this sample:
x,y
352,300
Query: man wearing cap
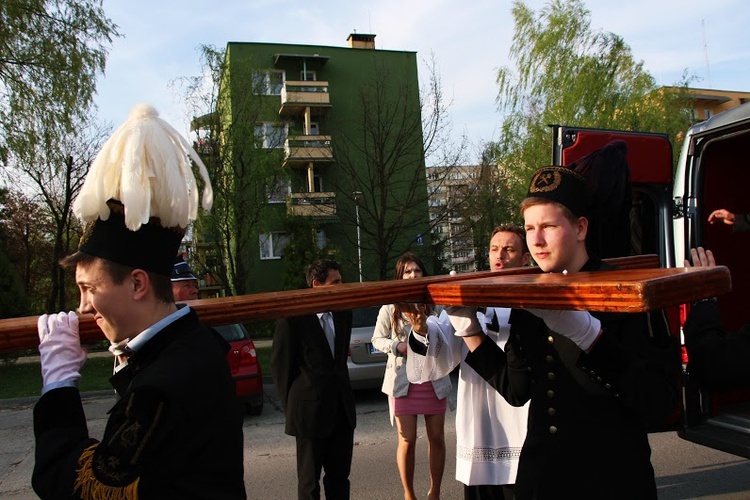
x,y
184,282
308,363
596,382
176,429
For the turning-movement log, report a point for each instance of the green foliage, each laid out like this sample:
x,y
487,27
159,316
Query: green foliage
x,y
13,300
52,54
565,72
301,251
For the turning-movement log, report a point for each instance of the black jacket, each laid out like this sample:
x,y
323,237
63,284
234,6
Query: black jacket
x,y
717,359
589,413
314,387
175,432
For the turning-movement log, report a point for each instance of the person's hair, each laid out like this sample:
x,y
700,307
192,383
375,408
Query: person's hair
x,y
318,270
161,285
533,201
398,309
512,228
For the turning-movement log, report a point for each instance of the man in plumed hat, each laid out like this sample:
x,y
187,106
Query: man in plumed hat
x,y
176,428
596,382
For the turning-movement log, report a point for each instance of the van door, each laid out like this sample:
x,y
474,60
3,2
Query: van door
x,y
712,173
649,159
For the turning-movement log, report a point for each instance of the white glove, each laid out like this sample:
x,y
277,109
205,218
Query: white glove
x,y
579,326
60,347
464,321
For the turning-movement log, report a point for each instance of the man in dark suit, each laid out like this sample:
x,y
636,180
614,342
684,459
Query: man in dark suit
x,y
308,363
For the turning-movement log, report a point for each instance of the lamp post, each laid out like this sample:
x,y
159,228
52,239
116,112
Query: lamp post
x,y
357,195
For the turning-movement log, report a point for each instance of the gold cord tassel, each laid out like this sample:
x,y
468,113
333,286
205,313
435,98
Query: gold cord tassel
x,y
90,487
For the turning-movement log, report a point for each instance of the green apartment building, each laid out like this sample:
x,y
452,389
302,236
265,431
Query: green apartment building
x,y
339,131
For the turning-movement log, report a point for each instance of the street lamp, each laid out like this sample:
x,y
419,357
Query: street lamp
x,y
357,195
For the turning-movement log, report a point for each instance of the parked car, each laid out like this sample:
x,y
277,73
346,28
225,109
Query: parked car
x,y
243,362
366,364
669,216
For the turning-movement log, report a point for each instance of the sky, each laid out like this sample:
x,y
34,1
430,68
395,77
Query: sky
x,y
470,40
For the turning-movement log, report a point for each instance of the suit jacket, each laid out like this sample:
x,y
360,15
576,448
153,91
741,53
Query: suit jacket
x,y
313,385
175,432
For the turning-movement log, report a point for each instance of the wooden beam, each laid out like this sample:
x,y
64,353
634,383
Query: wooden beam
x,y
627,290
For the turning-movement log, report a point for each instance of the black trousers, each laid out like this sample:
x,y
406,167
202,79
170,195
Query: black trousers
x,y
333,455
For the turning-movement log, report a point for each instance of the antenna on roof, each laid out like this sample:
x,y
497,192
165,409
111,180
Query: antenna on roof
x,y
705,53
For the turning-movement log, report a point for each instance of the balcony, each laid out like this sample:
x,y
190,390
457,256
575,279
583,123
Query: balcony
x,y
303,149
296,96
312,204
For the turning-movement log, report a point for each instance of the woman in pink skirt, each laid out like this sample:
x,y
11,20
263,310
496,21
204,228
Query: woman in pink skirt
x,y
406,400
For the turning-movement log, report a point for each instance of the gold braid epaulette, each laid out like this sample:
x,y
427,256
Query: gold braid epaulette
x,y
90,487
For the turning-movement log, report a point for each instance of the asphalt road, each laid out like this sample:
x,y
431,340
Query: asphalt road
x,y
684,470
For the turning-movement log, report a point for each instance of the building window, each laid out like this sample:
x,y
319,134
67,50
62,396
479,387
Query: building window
x,y
272,245
271,135
320,238
709,114
268,82
307,76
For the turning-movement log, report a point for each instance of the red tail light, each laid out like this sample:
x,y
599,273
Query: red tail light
x,y
248,356
684,310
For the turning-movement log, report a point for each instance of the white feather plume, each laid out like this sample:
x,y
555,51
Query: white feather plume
x,y
145,165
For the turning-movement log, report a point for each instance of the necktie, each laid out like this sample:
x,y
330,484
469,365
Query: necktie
x,y
326,321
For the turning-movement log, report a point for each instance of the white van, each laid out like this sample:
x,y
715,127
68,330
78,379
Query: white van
x,y
668,217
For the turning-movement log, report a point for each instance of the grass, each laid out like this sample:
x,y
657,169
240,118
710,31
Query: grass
x,y
20,380
264,358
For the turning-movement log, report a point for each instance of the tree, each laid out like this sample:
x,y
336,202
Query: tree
x,y
25,239
565,72
381,155
52,54
13,298
244,168
55,173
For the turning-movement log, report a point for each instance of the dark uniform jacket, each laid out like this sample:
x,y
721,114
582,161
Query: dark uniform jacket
x,y
175,431
589,413
717,359
314,387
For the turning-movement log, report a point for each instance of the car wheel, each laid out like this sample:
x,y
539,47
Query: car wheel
x,y
254,410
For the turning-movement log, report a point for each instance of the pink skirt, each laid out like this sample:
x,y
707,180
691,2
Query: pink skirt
x,y
420,400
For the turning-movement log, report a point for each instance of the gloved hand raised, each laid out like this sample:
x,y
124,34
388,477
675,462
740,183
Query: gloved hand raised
x,y
579,326
464,320
60,347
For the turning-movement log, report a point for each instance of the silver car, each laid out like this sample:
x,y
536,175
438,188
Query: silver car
x,y
366,364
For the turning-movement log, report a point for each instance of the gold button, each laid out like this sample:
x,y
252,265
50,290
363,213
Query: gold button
x,y
552,429
549,359
598,379
550,393
592,373
607,386
551,339
551,411
551,376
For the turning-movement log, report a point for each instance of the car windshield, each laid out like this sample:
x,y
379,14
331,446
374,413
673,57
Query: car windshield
x,y
232,333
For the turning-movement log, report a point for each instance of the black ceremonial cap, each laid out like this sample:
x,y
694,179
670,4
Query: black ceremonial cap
x,y
562,185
